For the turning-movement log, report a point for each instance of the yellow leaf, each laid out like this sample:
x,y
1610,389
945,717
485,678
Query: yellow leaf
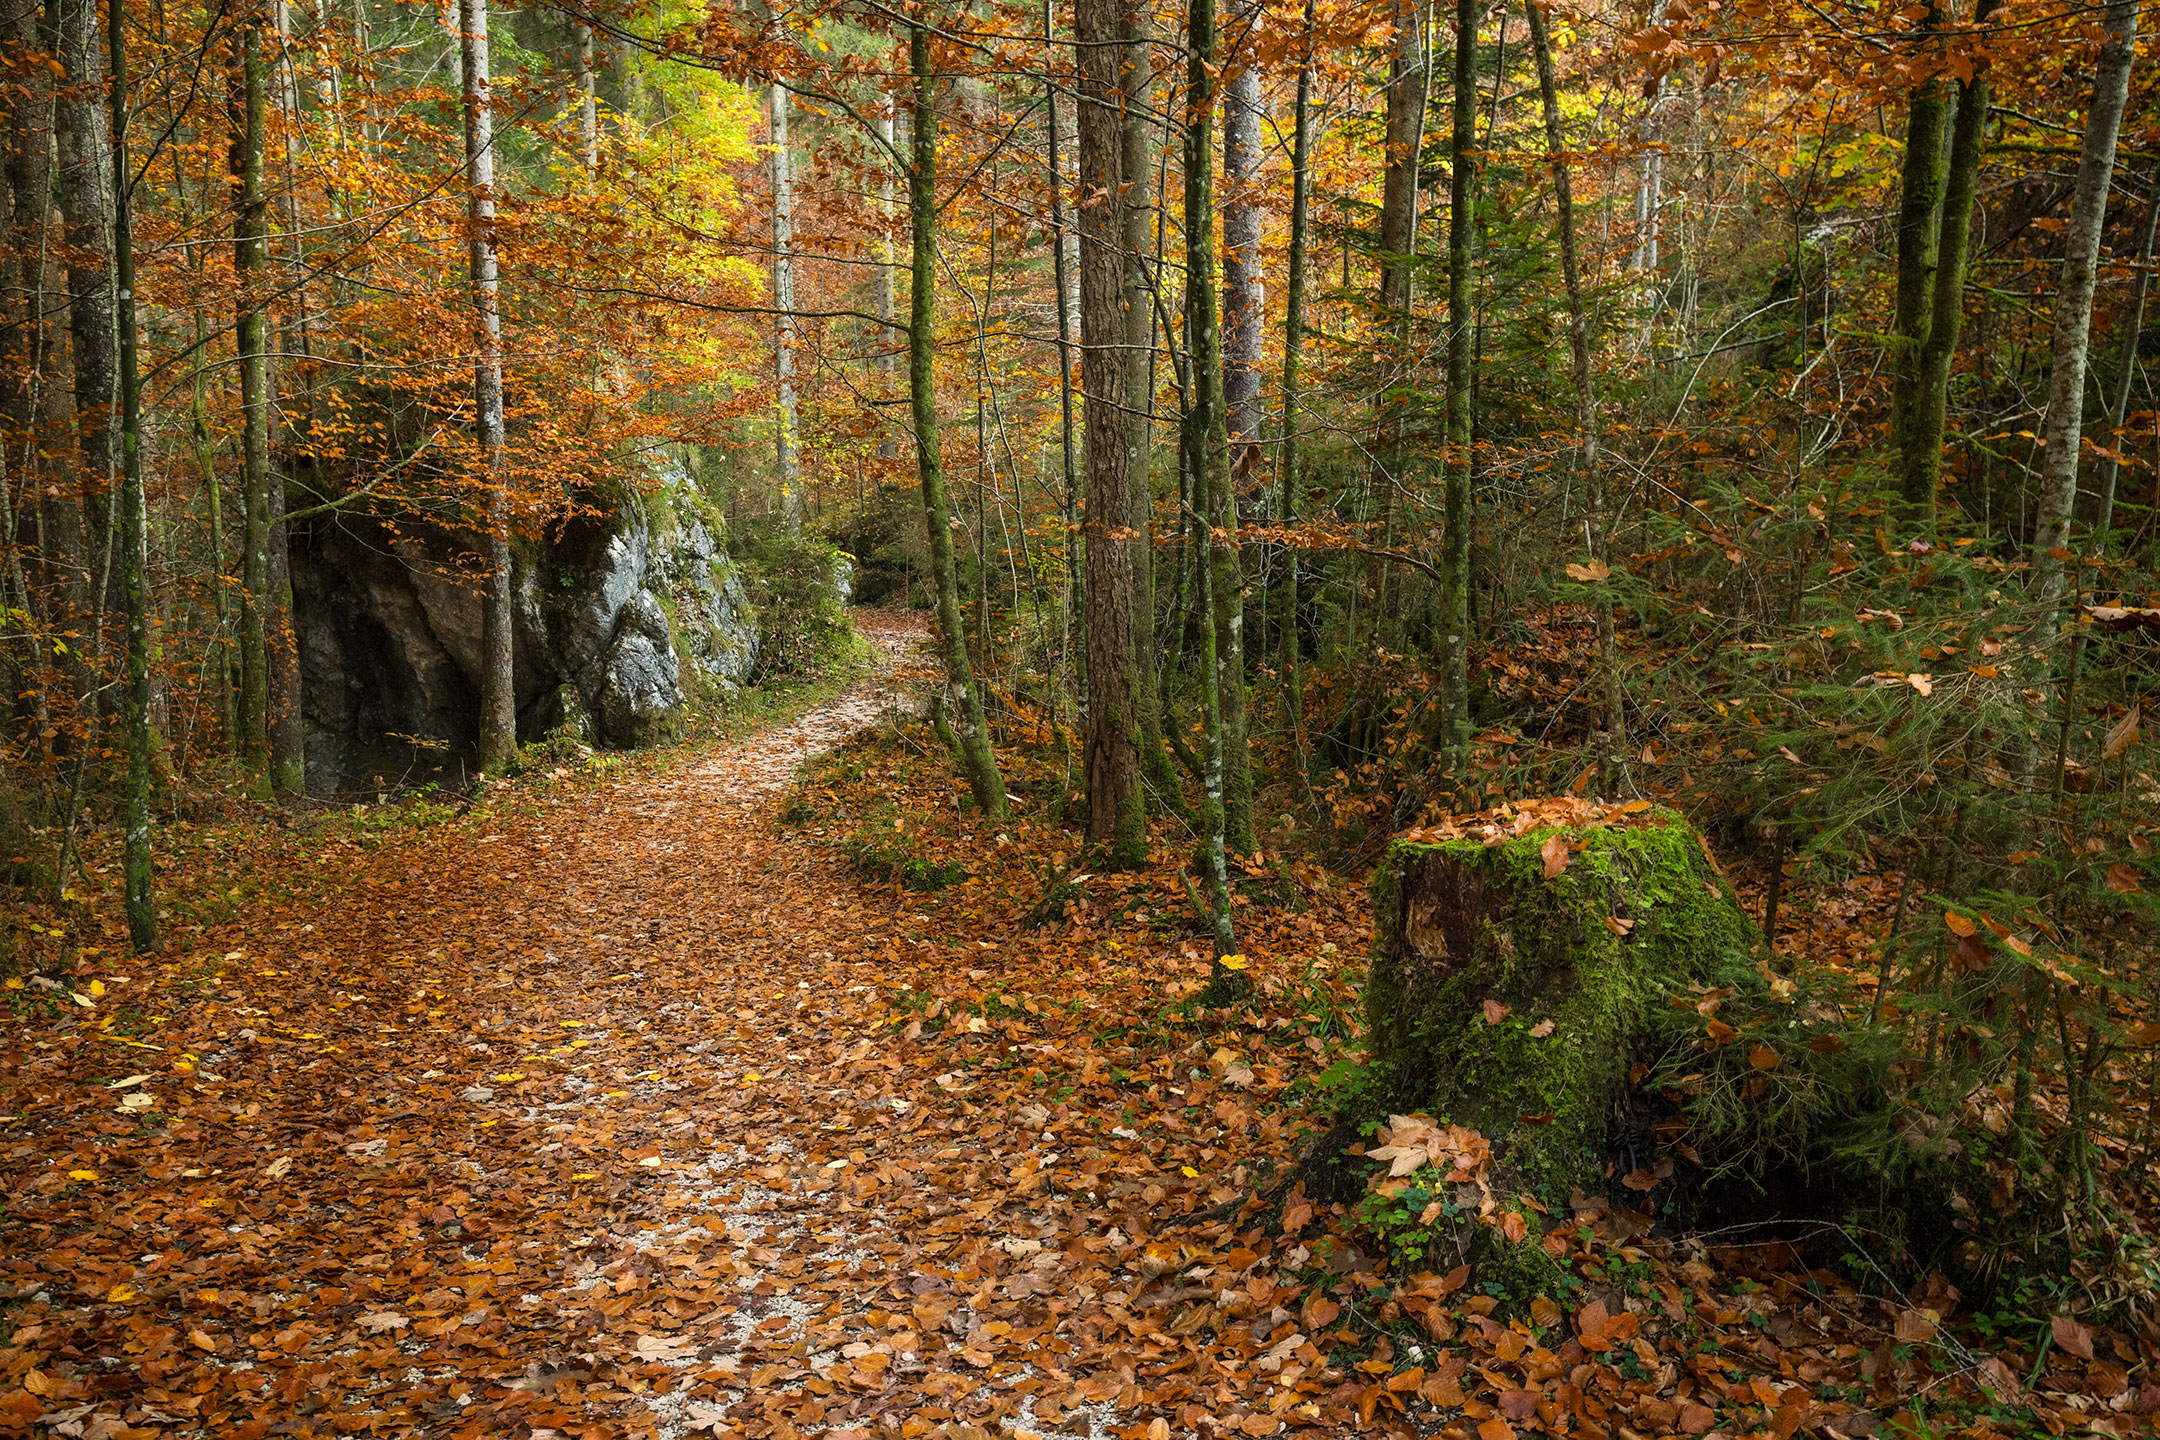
x,y
585,1175
97,989
1188,1172
509,1075
751,1078
1232,962
121,1294
82,1174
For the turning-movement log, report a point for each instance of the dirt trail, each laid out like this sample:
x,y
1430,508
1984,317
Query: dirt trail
x,y
578,1122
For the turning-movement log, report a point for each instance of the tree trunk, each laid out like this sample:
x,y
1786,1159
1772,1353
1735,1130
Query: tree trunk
x,y
1244,287
1454,607
251,228
2126,368
281,660
786,466
1405,138
1061,268
588,122
1919,250
977,760
498,697
1142,277
2073,312
1225,977
1921,450
888,267
1115,629
1207,439
56,585
83,181
134,532
1614,739
1286,622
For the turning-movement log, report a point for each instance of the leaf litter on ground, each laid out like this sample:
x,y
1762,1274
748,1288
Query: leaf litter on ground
x,y
635,1112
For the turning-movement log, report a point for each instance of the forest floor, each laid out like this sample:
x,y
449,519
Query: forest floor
x,y
627,1105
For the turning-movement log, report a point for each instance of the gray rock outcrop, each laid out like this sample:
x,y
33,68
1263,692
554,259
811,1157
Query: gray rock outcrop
x,y
624,621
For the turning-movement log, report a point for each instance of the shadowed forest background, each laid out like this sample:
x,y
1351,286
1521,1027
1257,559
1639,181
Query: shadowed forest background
x,y
1666,492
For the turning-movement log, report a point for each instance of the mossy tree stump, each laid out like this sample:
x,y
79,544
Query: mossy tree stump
x,y
1513,977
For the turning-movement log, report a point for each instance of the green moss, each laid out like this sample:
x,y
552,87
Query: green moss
x,y
1460,924
889,860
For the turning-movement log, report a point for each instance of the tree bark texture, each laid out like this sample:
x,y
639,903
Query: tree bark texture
x,y
1920,457
134,531
887,272
588,100
44,515
1454,603
1142,297
498,697
82,180
1286,622
787,467
1244,289
251,334
1063,261
1206,428
1919,252
2071,342
978,761
1116,627
1408,77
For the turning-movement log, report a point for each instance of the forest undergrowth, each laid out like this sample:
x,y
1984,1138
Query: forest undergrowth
x,y
629,1103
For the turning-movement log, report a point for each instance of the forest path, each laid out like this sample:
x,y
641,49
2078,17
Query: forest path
x,y
578,1119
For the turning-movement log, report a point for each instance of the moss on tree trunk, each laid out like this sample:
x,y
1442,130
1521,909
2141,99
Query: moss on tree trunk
x,y
1509,992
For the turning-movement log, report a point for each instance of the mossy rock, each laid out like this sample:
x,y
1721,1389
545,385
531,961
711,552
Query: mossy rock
x,y
1462,928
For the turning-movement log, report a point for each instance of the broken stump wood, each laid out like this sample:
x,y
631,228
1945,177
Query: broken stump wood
x,y
1515,968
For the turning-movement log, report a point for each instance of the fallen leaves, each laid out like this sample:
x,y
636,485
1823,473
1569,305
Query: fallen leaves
x,y
978,1181
1555,854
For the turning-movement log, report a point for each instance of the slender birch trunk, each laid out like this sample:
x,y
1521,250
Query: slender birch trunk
x,y
1286,624
134,531
787,466
1207,432
498,695
2071,344
1244,286
888,448
588,99
83,179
